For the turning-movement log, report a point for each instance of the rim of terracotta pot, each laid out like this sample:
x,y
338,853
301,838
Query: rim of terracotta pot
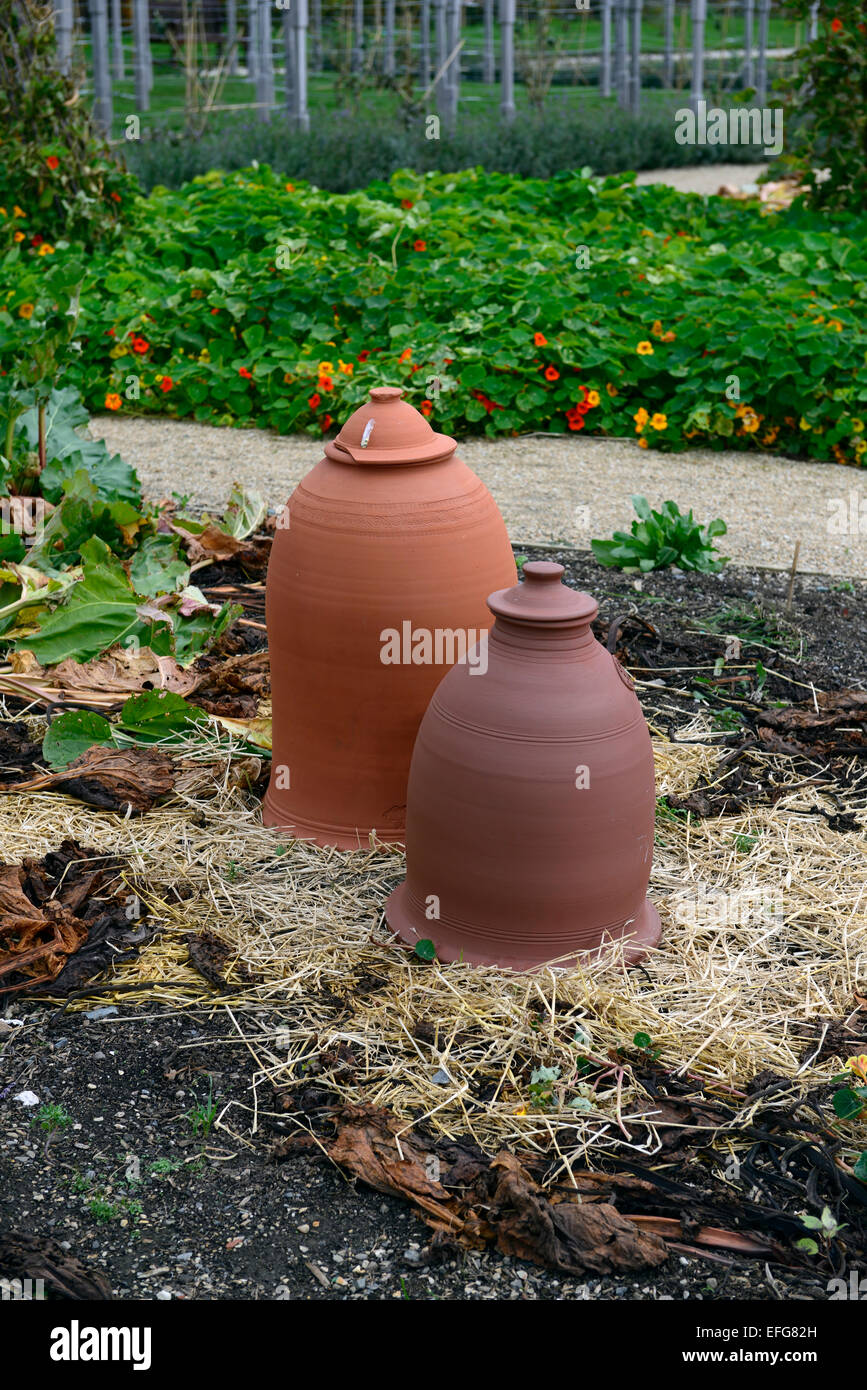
x,y
388,430
541,597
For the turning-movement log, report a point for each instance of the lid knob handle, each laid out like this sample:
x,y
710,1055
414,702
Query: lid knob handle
x,y
542,572
386,393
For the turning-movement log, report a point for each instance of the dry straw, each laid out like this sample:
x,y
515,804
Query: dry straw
x,y
764,944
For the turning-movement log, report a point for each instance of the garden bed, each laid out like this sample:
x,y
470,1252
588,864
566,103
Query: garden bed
x,y
707,1073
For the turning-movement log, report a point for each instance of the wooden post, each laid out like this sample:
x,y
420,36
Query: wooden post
x,y
762,56
621,56
605,58
489,62
748,43
388,51
232,37
668,60
117,39
454,72
149,57
264,61
253,40
297,23
140,57
440,55
699,15
358,36
507,59
291,64
424,44
317,35
635,59
64,23
102,112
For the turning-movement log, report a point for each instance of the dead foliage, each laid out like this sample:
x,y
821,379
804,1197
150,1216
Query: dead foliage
x,y
211,957
497,1203
26,1256
64,918
128,780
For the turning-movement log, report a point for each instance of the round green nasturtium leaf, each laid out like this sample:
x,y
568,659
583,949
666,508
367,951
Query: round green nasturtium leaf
x,y
71,734
425,949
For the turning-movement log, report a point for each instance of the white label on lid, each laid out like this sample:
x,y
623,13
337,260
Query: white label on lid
x,y
368,430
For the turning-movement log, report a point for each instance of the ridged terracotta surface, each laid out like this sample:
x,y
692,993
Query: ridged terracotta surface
x,y
389,527
520,864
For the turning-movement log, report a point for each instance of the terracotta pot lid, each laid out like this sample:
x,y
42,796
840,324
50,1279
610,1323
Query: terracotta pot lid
x,y
542,598
389,430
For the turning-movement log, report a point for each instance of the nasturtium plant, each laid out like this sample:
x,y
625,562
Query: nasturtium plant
x,y
241,299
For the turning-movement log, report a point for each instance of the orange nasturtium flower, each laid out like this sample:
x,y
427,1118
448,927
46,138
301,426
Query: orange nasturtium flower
x,y
656,330
19,236
858,1065
539,340
659,421
641,418
642,443
592,398
18,212
405,355
112,401
45,250
326,368
611,388
551,374
426,407
836,25
645,349
26,311
53,162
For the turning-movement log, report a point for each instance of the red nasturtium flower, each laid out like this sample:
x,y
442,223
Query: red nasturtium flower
x,y
116,197
325,383
140,344
406,203
426,407
363,356
577,422
419,245
551,374
166,384
37,240
245,373
326,423
315,401
836,25
539,340
53,162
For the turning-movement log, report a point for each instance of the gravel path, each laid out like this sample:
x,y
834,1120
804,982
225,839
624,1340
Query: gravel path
x,y
704,178
549,489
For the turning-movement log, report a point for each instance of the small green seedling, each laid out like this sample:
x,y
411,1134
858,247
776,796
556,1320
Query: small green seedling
x,y
201,1117
52,1118
825,1225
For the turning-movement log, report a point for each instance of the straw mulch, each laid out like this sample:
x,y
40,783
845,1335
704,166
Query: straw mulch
x,y
763,955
